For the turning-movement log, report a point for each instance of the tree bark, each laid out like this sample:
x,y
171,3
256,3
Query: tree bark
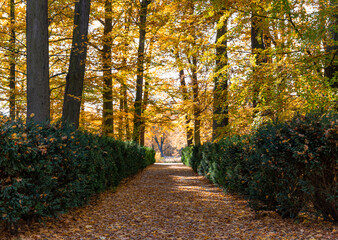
x,y
38,97
145,98
160,144
108,112
140,71
121,108
194,81
332,49
76,71
188,130
257,46
126,112
195,89
220,108
12,65
123,119
144,107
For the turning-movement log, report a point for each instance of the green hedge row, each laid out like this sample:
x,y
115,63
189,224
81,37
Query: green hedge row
x,y
284,167
45,170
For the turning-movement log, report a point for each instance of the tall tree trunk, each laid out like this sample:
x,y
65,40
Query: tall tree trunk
x,y
145,98
38,97
144,107
12,65
108,117
126,112
332,49
123,120
220,108
184,90
76,71
121,108
140,71
195,89
194,81
257,46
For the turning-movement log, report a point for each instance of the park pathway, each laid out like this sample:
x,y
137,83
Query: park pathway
x,y
169,201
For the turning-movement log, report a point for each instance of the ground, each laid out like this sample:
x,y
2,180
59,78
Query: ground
x,y
169,201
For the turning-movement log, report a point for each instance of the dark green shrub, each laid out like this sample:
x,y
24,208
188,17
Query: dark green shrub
x,y
196,157
281,167
45,170
234,165
150,155
186,155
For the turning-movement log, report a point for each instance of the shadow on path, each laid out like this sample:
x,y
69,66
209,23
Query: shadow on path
x,y
169,201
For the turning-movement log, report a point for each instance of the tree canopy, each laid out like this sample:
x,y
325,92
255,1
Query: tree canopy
x,y
209,68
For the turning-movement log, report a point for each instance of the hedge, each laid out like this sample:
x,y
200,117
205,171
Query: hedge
x,y
283,167
45,170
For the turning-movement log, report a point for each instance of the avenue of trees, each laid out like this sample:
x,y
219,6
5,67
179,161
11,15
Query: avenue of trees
x,y
122,67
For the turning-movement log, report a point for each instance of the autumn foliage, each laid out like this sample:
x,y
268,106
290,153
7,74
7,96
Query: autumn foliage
x,y
286,167
45,170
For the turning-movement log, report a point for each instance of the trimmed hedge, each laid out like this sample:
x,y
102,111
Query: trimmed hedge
x,y
45,170
282,166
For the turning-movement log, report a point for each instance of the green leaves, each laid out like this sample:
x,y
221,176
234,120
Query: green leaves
x,y
45,170
282,167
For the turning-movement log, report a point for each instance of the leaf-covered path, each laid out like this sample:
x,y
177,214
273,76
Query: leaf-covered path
x,y
171,202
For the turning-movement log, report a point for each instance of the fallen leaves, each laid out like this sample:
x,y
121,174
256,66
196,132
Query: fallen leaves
x,y
171,202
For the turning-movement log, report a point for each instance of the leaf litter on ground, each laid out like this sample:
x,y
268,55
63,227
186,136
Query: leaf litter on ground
x,y
170,201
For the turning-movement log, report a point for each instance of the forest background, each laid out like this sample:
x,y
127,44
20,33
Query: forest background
x,y
172,72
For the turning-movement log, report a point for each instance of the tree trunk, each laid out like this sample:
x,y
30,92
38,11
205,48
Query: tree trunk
x,y
188,130
76,71
220,108
123,120
145,98
160,144
38,98
194,81
331,49
257,46
12,65
195,89
144,107
140,71
126,112
121,108
108,117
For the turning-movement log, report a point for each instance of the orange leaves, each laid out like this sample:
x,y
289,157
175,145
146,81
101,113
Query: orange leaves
x,y
43,149
171,202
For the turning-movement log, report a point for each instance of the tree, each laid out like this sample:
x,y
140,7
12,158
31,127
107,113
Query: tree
x,y
38,100
108,117
160,143
332,48
76,71
194,83
12,65
140,70
220,106
184,90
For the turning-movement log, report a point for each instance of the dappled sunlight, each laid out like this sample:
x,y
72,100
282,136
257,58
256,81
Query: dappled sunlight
x,y
171,202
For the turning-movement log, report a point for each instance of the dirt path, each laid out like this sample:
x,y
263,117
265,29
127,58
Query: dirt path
x,y
171,202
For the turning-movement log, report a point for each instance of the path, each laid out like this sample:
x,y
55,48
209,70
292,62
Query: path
x,y
171,202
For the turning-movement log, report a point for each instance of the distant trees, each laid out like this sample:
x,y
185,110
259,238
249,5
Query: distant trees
x,y
215,67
